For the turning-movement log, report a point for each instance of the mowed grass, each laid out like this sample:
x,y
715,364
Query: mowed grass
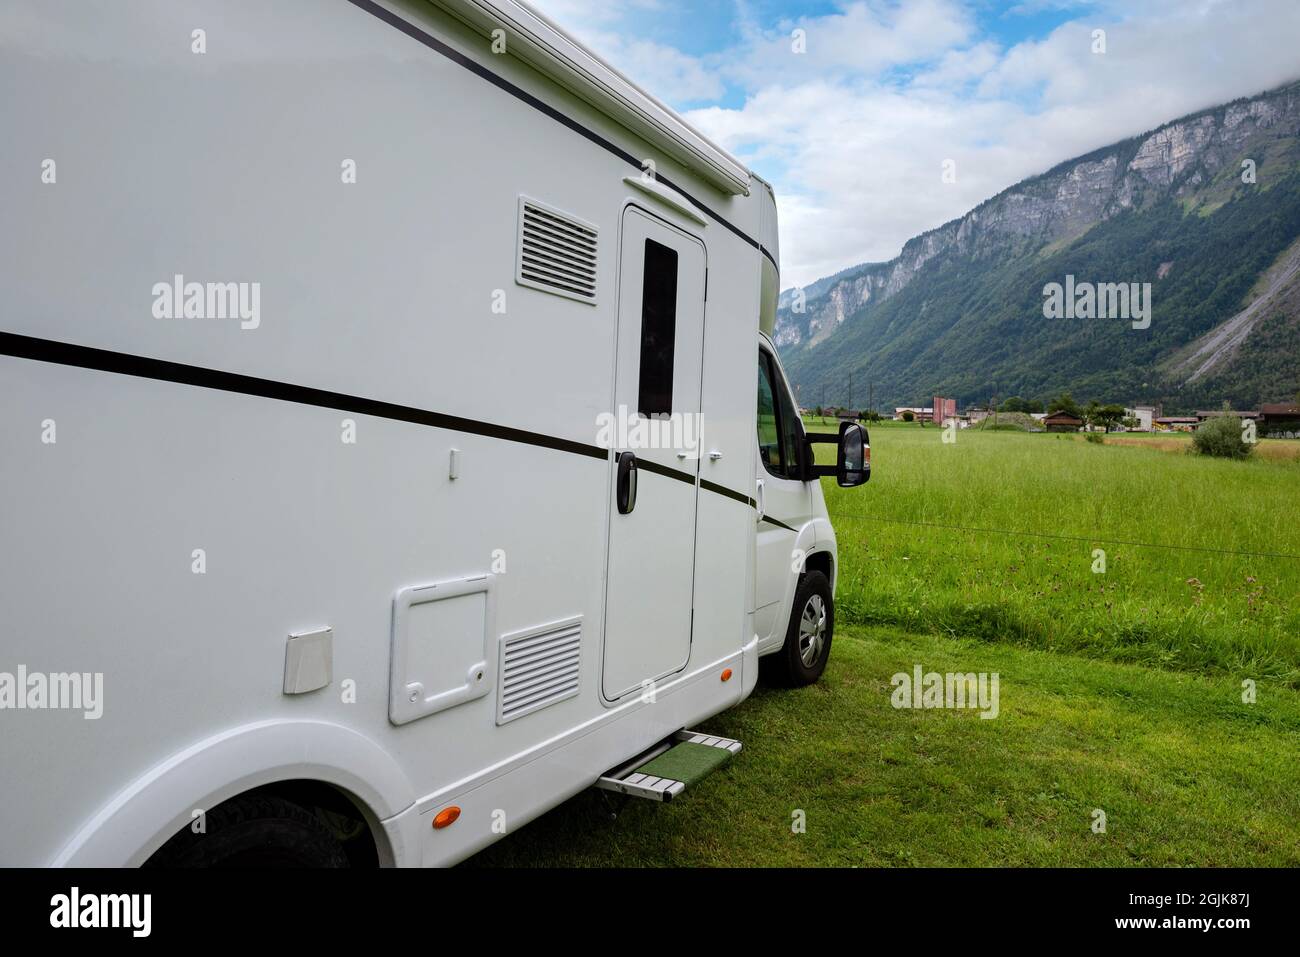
x,y
992,536
1185,773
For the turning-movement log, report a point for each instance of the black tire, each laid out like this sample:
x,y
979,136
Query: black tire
x,y
793,666
254,831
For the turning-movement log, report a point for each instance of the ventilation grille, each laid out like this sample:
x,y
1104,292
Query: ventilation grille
x,y
557,253
539,668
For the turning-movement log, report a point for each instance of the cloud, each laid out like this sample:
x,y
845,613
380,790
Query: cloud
x,y
669,74
860,39
854,132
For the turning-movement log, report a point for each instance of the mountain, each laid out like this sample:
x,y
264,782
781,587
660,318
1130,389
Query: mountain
x,y
961,310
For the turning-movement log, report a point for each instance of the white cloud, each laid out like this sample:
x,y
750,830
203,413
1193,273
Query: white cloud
x,y
861,39
854,132
669,74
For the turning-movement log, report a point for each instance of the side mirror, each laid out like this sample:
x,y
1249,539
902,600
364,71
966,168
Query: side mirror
x,y
852,458
853,461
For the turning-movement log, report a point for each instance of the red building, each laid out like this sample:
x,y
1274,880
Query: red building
x,y
944,409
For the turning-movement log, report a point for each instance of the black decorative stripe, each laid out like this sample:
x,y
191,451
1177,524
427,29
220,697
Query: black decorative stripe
x,y
689,479
729,493
84,357
451,53
648,466
161,370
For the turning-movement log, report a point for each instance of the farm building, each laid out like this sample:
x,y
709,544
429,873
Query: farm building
x,y
1177,423
920,414
1280,419
943,409
1203,417
1062,422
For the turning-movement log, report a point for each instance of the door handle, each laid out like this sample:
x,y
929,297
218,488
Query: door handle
x,y
715,454
760,500
625,486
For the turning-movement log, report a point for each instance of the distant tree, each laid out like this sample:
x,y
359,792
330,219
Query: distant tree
x,y
1092,414
1109,416
1034,405
1221,437
1014,404
1065,403
1131,422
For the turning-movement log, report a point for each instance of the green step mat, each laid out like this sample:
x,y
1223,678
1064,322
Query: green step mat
x,y
686,762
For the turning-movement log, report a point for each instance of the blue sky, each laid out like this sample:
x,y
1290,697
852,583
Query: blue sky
x,y
855,130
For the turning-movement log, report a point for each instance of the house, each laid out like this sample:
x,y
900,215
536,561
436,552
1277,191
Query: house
x,y
1281,419
1177,423
1203,416
977,414
1145,415
918,413
1062,422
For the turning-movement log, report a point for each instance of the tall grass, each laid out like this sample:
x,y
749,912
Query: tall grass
x,y
993,537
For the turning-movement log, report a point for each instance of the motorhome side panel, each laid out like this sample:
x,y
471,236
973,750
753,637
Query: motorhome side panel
x,y
192,480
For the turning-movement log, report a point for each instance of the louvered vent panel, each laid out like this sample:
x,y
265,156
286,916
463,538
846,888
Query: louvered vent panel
x,y
539,668
556,252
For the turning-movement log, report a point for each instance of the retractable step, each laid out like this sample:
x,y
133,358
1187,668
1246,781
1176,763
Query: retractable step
x,y
670,767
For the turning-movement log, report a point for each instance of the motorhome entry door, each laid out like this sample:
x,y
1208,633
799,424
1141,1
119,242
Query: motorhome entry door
x,y
656,463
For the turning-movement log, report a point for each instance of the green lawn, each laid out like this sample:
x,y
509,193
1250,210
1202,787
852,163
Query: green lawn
x,y
1185,772
1119,691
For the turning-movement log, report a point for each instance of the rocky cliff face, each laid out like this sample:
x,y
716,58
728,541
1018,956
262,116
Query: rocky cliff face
x,y
1180,159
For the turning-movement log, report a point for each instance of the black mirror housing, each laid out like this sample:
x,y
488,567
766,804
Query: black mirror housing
x,y
852,458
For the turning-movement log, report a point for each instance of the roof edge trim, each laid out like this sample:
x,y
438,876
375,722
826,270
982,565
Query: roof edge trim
x,y
546,47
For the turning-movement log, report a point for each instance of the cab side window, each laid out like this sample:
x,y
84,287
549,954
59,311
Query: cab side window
x,y
791,427
769,432
780,433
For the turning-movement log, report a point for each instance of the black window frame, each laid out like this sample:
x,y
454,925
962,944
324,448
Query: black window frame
x,y
792,458
658,350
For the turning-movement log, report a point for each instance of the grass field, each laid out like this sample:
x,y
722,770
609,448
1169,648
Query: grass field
x,y
992,536
1120,691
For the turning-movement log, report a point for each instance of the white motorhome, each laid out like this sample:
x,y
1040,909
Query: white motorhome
x,y
381,450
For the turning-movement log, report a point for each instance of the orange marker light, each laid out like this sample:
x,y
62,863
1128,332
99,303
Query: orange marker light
x,y
445,817
726,674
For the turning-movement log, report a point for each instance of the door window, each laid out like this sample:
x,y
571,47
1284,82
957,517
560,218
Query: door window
x,y
658,330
